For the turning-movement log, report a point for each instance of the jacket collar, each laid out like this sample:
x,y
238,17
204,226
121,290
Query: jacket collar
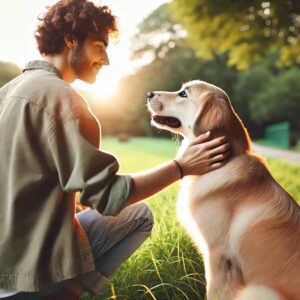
x,y
41,64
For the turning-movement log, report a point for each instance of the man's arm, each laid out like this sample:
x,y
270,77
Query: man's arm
x,y
150,182
200,157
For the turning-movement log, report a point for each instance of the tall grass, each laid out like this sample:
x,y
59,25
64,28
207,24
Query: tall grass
x,y
167,266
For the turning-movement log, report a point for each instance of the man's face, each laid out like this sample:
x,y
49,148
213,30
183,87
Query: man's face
x,y
88,57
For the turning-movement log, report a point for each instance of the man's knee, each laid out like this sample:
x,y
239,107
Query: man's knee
x,y
143,213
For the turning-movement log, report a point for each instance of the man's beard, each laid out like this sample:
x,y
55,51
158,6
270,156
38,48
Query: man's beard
x,y
80,64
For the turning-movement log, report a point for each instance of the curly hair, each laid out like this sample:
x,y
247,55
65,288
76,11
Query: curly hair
x,y
78,18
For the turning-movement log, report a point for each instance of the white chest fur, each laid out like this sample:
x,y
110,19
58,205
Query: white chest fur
x,y
206,221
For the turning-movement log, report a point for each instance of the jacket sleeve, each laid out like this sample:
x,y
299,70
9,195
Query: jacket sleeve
x,y
81,166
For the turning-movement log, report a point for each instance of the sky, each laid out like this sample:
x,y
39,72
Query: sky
x,y
18,19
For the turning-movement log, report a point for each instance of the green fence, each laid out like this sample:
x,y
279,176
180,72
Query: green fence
x,y
278,134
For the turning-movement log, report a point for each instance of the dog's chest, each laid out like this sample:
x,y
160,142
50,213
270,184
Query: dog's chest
x,y
204,217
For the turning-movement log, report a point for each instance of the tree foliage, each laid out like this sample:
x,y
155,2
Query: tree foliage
x,y
279,100
248,30
249,84
157,34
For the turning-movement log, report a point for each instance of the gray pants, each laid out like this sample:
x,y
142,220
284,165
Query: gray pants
x,y
112,239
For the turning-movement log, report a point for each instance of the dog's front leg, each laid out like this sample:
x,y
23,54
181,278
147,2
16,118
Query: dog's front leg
x,y
215,274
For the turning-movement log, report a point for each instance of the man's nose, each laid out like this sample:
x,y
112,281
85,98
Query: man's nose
x,y
105,59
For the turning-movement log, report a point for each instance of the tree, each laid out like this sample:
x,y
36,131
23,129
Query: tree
x,y
248,30
7,72
279,100
157,34
249,84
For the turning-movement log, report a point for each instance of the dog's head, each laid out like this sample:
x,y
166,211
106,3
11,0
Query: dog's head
x,y
196,108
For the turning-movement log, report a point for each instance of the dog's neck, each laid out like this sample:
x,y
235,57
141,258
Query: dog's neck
x,y
239,140
234,131
238,137
218,116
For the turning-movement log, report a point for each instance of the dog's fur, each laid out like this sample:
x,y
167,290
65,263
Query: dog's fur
x,y
245,224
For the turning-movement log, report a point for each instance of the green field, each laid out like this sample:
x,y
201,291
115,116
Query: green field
x,y
167,266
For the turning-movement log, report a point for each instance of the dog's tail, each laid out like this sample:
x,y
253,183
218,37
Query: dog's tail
x,y
258,292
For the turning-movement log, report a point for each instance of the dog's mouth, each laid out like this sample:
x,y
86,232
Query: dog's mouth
x,y
168,121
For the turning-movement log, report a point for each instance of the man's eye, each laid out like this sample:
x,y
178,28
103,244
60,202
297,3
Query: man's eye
x,y
183,94
101,46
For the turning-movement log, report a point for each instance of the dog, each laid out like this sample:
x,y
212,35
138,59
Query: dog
x,y
246,226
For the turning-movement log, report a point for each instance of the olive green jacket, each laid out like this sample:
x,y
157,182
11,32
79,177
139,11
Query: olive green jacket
x,y
49,150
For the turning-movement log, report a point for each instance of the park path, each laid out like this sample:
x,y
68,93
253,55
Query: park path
x,y
287,155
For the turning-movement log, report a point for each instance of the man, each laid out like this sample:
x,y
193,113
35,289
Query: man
x,y
49,145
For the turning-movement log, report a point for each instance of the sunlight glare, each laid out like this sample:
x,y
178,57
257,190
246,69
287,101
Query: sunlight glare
x,y
108,77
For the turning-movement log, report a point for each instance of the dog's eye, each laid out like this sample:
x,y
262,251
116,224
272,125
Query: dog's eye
x,y
182,94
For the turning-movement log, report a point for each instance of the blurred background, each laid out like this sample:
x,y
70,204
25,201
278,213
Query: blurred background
x,y
249,48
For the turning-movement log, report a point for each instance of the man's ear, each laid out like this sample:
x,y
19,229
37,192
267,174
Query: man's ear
x,y
70,41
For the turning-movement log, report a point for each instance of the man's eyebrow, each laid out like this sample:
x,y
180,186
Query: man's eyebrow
x,y
102,41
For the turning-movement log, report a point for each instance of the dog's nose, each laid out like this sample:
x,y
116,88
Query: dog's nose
x,y
150,95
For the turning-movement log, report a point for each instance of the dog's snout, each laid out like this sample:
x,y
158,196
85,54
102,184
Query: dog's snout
x,y
150,95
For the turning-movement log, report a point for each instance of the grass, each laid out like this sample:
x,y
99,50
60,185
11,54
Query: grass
x,y
167,266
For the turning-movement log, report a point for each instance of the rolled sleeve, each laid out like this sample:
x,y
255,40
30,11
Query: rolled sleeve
x,y
121,189
82,167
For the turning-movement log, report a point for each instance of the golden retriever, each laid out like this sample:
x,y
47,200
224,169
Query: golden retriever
x,y
245,224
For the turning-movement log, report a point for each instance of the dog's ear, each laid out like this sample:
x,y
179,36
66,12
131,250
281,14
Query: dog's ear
x,y
213,114
217,116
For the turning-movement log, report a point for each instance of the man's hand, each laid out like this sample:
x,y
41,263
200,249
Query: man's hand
x,y
203,155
